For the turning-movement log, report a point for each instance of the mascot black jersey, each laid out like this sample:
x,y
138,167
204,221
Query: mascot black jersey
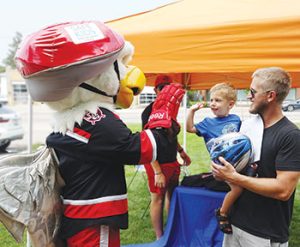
x,y
92,158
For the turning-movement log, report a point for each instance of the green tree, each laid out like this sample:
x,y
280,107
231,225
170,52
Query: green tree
x,y
2,69
192,96
10,59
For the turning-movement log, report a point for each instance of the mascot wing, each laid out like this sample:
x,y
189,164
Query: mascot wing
x,y
29,196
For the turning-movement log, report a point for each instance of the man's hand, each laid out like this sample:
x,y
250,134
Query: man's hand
x,y
223,172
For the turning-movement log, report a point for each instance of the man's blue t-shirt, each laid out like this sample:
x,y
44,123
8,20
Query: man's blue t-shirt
x,y
217,126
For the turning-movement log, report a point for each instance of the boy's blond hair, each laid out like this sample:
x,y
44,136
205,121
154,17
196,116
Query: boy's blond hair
x,y
225,90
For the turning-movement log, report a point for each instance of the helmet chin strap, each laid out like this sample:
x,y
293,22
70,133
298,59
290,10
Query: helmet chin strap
x,y
98,91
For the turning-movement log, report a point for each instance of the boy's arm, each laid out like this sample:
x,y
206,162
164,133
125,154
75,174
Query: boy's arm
x,y
159,177
190,117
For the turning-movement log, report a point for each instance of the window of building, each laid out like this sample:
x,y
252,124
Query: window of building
x,y
20,93
146,98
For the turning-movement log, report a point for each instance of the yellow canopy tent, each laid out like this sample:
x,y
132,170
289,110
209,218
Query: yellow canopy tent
x,y
203,42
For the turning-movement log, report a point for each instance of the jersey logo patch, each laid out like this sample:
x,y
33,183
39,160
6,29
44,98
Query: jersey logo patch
x,y
93,118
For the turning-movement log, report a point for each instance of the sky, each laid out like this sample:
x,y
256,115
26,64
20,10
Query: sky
x,y
28,16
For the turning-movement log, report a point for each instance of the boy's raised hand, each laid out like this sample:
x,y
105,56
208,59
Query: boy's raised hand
x,y
198,106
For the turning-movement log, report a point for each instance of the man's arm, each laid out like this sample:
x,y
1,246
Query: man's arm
x,y
280,188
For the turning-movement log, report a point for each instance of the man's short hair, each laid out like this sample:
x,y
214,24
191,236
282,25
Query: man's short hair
x,y
226,90
274,78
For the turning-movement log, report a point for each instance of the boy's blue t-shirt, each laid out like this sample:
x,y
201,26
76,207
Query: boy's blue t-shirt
x,y
217,126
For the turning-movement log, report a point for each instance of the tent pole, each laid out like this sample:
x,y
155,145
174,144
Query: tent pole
x,y
29,144
184,120
185,80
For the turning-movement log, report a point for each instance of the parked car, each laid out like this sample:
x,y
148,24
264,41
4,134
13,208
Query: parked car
x,y
10,126
291,105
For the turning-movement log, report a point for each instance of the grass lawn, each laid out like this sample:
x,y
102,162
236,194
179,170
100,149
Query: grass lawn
x,y
140,230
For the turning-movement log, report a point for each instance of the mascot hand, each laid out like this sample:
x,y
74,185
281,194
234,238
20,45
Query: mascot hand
x,y
166,106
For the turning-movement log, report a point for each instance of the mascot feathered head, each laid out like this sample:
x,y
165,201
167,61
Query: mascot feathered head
x,y
78,66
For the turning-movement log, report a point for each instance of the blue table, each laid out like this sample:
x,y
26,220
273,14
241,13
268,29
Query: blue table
x,y
191,221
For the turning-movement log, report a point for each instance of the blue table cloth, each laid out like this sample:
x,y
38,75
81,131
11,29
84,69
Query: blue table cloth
x,y
191,221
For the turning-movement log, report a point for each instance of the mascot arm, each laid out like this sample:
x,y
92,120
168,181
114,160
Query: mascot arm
x,y
166,106
113,142
136,148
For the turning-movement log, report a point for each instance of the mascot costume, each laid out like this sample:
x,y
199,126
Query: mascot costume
x,y
80,70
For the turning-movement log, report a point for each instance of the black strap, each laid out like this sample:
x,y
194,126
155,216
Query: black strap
x,y
95,90
98,91
116,67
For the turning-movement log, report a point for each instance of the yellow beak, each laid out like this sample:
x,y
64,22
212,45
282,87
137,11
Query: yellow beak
x,y
131,85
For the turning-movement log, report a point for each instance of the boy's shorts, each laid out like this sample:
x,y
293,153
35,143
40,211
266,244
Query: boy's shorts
x,y
171,172
98,235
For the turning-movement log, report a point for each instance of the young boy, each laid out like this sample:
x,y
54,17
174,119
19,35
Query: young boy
x,y
222,99
163,174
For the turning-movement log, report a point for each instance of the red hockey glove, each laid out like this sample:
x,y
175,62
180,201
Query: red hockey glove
x,y
166,106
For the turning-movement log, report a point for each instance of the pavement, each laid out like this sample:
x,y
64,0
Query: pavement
x,y
42,114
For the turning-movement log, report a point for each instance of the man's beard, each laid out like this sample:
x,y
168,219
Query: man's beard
x,y
258,108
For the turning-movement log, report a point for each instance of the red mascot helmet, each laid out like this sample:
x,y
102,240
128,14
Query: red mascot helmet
x,y
58,58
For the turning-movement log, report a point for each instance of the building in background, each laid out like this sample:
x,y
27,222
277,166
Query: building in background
x,y
146,96
3,87
13,87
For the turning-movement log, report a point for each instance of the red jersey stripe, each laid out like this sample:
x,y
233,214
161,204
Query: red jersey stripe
x,y
82,133
148,147
95,211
